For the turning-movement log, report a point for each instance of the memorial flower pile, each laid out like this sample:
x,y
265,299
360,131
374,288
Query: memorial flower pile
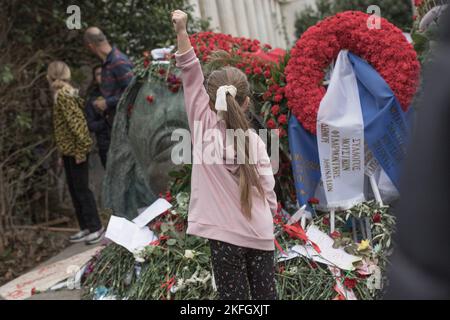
x,y
177,266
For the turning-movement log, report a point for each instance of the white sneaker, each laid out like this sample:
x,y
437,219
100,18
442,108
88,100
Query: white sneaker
x,y
79,236
95,237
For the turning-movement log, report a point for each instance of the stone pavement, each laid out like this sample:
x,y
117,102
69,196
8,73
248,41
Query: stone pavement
x,y
63,294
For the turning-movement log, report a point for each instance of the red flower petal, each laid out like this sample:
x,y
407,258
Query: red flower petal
x,y
150,99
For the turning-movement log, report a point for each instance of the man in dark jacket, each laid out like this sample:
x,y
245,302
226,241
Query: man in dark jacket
x,y
116,71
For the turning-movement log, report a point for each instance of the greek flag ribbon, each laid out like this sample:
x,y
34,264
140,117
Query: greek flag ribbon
x,y
374,124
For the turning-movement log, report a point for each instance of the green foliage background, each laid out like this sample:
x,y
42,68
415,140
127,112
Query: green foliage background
x,y
32,34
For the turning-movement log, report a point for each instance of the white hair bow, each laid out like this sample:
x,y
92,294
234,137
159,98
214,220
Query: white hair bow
x,y
221,97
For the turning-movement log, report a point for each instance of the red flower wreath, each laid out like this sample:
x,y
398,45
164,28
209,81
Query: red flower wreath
x,y
386,49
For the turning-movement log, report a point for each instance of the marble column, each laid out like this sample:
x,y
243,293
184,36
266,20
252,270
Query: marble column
x,y
252,22
241,18
281,30
262,23
208,9
268,21
226,16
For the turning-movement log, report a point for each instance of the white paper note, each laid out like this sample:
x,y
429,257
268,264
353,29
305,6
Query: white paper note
x,y
328,255
337,257
158,207
128,234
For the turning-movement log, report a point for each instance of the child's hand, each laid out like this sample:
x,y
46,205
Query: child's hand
x,y
179,20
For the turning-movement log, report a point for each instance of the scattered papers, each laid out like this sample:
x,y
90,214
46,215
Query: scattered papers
x,y
158,207
134,235
328,255
128,234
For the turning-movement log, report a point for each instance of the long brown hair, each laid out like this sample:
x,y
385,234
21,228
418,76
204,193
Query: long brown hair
x,y
235,119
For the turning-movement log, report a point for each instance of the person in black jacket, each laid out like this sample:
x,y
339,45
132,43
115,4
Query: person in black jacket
x,y
96,120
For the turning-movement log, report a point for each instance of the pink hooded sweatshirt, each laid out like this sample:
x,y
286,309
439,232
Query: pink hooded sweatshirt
x,y
214,209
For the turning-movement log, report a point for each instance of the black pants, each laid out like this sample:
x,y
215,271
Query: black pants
x,y
103,154
82,197
241,273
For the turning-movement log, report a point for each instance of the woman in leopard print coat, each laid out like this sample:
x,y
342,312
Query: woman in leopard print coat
x,y
74,143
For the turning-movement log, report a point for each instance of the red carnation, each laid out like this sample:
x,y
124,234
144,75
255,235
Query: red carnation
x,y
156,226
146,63
376,218
350,283
282,119
335,234
162,71
271,124
267,95
267,74
150,99
274,87
168,196
275,109
278,98
313,201
280,91
326,221
257,70
248,71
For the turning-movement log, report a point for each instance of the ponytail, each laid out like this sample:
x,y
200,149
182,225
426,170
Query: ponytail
x,y
248,174
236,119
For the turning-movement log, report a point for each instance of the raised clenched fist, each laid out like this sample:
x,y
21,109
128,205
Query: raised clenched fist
x,y
179,20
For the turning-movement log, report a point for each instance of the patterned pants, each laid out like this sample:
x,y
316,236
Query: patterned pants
x,y
243,272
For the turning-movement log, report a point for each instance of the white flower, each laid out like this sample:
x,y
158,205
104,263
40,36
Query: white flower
x,y
189,254
139,259
139,256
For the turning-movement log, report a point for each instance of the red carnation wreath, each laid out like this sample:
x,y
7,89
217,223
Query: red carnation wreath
x,y
386,49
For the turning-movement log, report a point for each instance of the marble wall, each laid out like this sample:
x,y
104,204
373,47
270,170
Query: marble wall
x,y
270,21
